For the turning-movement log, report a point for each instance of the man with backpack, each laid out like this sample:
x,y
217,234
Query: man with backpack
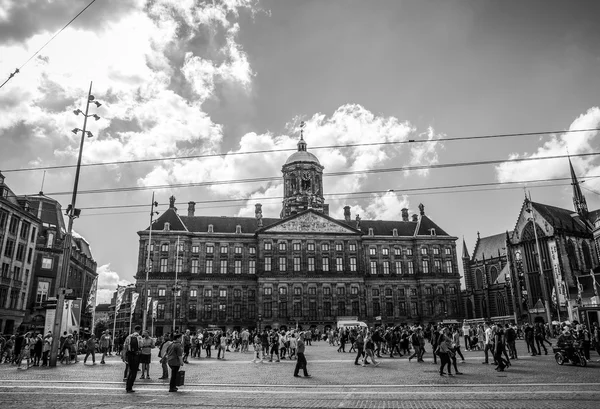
x,y
132,349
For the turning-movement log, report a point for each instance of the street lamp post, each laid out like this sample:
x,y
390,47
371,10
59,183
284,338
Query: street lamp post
x,y
72,213
148,261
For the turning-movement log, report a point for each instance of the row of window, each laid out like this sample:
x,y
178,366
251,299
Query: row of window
x,y
13,226
282,246
267,291
375,267
430,308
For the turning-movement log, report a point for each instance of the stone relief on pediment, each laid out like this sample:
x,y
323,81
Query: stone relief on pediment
x,y
310,222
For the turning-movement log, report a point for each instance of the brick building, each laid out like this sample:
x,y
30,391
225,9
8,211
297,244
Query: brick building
x,y
304,268
19,227
48,261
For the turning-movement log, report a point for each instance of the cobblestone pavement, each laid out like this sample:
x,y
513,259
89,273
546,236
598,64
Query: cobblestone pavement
x,y
531,382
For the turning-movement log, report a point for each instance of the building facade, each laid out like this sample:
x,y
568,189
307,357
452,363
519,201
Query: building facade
x,y
304,268
489,294
49,260
504,274
19,227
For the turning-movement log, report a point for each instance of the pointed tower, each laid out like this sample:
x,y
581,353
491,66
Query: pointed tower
x,y
578,198
466,259
303,181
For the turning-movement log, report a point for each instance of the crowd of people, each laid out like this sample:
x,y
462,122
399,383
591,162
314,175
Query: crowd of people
x,y
496,341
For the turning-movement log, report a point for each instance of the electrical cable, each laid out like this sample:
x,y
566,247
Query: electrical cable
x,y
333,174
45,44
358,197
369,193
356,145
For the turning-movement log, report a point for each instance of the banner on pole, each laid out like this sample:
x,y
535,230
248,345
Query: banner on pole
x,y
148,303
120,292
154,309
134,298
91,304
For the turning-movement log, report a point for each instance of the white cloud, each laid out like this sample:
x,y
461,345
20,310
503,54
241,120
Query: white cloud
x,y
143,64
574,143
108,280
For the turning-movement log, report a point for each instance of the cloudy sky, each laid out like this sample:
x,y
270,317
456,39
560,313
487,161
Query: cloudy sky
x,y
186,77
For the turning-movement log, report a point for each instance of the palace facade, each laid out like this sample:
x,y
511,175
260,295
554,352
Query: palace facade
x,y
304,268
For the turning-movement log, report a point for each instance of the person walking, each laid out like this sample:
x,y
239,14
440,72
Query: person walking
x,y
164,357
301,362
175,361
104,345
187,345
443,350
90,349
46,348
359,344
489,342
456,344
499,350
132,349
39,345
370,349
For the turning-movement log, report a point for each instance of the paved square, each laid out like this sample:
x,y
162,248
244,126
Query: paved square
x,y
531,382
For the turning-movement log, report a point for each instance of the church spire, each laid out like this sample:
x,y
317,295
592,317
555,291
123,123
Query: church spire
x,y
578,198
465,251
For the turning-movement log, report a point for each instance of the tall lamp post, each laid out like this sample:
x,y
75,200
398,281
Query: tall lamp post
x,y
72,213
148,261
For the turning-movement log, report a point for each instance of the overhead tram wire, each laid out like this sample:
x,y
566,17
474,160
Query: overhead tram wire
x,y
45,44
422,194
334,174
347,146
399,191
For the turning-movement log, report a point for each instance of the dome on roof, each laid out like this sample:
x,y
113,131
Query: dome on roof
x,y
302,156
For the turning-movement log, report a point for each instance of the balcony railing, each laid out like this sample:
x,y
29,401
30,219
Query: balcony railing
x,y
5,280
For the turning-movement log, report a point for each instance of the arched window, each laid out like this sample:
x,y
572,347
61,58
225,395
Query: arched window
x,y
587,258
478,280
571,256
440,307
493,274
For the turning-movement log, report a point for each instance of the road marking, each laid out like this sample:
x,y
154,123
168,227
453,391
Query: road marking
x,y
20,389
310,385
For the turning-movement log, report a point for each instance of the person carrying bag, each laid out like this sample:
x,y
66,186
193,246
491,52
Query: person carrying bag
x,y
175,361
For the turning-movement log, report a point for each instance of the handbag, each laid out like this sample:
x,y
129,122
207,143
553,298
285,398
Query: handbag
x,y
180,378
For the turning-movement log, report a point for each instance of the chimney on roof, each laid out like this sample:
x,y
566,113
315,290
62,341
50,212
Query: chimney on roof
x,y
415,218
191,208
258,214
347,217
404,214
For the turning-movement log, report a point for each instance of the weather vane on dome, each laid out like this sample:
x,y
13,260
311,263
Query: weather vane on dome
x,y
302,126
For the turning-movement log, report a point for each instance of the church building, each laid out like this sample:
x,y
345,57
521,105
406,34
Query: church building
x,y
305,268
503,277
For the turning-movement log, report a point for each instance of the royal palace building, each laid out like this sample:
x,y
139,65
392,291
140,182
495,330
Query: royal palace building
x,y
304,268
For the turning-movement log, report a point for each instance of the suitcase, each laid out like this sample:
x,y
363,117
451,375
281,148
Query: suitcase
x,y
180,378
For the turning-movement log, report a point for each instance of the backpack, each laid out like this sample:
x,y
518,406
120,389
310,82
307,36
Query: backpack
x,y
134,345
